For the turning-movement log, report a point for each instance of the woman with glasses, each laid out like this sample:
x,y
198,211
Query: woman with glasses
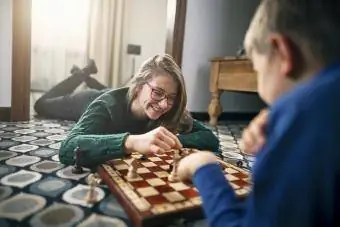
x,y
148,115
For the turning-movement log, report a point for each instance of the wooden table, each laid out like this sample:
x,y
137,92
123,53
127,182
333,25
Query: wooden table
x,y
229,74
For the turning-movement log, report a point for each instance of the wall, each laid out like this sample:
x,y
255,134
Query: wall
x,y
145,25
215,28
5,52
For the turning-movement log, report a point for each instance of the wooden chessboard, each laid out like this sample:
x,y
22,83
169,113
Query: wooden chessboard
x,y
151,200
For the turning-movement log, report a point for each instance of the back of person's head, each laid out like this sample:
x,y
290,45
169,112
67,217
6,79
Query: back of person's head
x,y
162,65
290,41
311,26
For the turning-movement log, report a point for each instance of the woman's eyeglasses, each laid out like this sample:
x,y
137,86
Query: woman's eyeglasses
x,y
159,95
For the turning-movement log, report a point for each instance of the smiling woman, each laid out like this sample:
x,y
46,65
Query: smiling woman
x,y
102,24
147,116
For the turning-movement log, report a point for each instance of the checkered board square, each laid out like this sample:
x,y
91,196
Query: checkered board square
x,y
150,198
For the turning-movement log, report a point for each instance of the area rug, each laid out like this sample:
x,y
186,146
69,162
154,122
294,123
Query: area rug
x,y
37,190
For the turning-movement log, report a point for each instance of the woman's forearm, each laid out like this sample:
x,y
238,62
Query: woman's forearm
x,y
94,149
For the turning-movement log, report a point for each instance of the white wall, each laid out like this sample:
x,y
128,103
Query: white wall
x,y
5,52
145,25
215,28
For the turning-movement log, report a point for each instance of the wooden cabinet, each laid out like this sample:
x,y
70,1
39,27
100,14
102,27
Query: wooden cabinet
x,y
229,74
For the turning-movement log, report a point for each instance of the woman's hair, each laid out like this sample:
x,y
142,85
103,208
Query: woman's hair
x,y
162,65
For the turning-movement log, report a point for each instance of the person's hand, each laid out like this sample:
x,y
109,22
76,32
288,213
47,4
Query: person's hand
x,y
191,163
253,136
158,141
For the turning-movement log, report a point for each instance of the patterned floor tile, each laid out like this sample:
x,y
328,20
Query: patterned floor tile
x,y
25,131
67,174
21,178
24,139
5,191
58,214
55,158
100,220
46,166
111,207
22,160
5,144
4,170
57,137
50,186
77,195
23,148
10,128
41,142
6,155
29,163
44,152
21,206
8,135
55,146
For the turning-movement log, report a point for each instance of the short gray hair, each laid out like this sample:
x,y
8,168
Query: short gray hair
x,y
313,26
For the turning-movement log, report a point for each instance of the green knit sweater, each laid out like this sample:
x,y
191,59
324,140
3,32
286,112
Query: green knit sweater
x,y
101,131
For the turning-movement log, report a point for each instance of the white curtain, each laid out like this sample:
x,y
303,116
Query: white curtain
x,y
59,40
105,39
68,32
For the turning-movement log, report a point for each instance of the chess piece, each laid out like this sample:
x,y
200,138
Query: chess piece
x,y
132,170
173,175
93,181
77,169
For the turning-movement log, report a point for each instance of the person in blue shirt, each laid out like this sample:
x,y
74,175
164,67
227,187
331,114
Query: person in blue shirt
x,y
295,49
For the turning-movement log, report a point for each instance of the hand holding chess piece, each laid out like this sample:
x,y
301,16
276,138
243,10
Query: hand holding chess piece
x,y
77,169
94,181
158,140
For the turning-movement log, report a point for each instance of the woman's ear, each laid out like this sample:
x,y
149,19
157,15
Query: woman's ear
x,y
138,89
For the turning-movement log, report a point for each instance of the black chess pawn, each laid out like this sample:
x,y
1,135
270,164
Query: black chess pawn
x,y
77,169
239,163
171,167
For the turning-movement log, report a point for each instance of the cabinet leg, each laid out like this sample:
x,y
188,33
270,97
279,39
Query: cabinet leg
x,y
215,108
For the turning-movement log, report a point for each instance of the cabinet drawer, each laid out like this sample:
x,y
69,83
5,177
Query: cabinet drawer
x,y
242,81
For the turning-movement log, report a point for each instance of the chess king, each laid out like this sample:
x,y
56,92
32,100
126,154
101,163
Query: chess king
x,y
148,115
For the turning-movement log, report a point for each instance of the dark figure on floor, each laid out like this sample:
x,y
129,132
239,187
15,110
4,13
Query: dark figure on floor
x,y
61,102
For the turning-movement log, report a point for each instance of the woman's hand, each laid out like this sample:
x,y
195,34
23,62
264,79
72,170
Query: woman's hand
x,y
158,141
191,163
253,136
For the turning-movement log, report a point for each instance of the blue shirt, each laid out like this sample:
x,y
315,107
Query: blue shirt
x,y
296,176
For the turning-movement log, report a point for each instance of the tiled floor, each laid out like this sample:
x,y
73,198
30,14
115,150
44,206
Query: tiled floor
x,y
35,187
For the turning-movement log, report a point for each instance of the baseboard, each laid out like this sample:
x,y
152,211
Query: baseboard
x,y
5,113
226,116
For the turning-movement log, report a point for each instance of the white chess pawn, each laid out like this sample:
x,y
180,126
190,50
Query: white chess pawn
x,y
173,175
132,170
94,181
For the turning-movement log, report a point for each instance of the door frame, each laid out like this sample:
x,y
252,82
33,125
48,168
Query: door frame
x,y
21,60
21,50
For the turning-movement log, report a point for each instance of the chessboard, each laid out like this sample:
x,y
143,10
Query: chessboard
x,y
150,199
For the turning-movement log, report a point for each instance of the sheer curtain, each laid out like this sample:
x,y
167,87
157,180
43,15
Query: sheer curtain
x,y
67,32
105,39
59,40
